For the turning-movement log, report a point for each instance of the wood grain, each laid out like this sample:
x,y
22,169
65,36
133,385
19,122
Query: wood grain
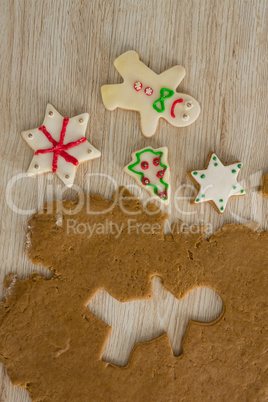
x,y
62,51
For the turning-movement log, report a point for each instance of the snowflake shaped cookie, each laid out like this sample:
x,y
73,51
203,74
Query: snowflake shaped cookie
x,y
150,169
59,145
153,95
217,183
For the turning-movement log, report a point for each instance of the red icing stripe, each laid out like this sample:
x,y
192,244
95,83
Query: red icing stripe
x,y
58,148
173,106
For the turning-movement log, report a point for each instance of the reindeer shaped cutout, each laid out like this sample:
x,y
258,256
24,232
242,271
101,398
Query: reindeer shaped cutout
x,y
143,320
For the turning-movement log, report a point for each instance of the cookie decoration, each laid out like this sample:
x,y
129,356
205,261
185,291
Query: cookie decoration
x,y
153,95
120,317
59,145
217,182
150,169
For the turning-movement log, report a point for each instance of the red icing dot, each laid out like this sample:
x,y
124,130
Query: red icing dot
x,y
156,161
160,174
163,195
145,181
144,165
149,91
138,86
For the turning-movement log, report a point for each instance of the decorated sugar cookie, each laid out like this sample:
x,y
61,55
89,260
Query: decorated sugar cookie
x,y
153,95
150,169
217,182
60,145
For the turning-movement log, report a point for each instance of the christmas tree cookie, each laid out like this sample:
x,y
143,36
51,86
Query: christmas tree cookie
x,y
59,145
217,182
150,169
153,95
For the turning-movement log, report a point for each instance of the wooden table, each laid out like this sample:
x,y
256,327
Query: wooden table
x,y
62,51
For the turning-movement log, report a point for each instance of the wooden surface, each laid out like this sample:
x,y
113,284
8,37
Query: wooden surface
x,y
62,51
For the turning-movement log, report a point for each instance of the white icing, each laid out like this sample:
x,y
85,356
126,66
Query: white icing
x,y
76,129
151,172
125,96
219,183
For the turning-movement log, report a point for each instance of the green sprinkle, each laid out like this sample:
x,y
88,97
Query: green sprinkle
x,y
202,176
195,173
220,200
215,164
233,171
197,200
222,208
234,187
239,166
214,158
203,195
241,191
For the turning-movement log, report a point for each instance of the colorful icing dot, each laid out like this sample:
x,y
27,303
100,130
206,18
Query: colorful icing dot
x,y
163,195
197,200
203,195
234,187
214,158
156,161
195,173
220,200
239,165
149,91
241,191
233,171
215,164
202,176
144,165
221,208
138,86
145,181
160,174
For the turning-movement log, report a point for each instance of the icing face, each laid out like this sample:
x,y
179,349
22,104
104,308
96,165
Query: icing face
x,y
150,169
60,145
217,182
153,96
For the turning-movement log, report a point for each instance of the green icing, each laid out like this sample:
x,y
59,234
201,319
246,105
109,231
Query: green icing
x,y
162,99
202,176
233,171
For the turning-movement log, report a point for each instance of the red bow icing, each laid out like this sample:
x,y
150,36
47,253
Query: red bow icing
x,y
58,147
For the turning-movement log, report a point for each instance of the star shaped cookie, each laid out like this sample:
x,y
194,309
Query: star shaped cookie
x,y
153,95
59,145
217,182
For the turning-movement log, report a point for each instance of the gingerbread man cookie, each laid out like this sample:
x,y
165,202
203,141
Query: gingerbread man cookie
x,y
217,182
59,145
153,95
150,169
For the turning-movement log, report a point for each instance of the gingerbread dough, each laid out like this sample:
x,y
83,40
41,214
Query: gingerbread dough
x,y
264,186
51,343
